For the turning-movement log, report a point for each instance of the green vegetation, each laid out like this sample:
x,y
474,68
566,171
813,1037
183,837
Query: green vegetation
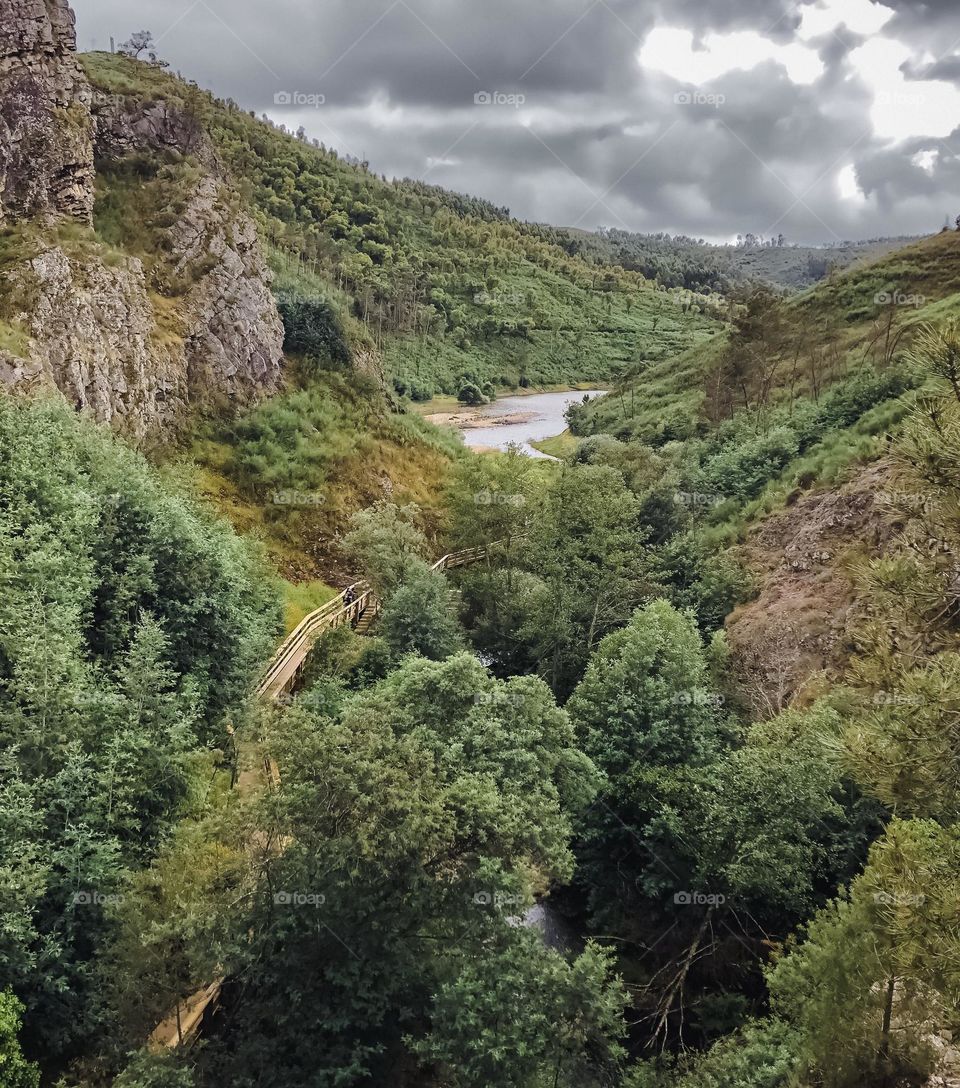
x,y
448,288
293,470
302,599
539,829
697,266
15,1072
781,350
419,816
131,631
14,339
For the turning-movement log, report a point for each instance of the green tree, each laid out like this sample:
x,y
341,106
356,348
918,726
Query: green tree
x,y
420,617
763,1054
437,805
15,1070
589,549
647,696
525,1017
386,544
130,627
877,969
150,1070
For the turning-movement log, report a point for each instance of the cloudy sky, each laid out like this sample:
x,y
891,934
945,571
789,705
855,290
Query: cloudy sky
x,y
823,120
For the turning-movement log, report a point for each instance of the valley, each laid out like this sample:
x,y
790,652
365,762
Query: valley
x,y
383,573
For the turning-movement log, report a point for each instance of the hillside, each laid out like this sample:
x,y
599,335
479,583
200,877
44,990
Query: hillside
x,y
696,265
799,477
139,340
444,287
776,438
862,315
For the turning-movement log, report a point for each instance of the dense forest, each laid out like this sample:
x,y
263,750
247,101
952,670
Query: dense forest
x,y
604,760
566,728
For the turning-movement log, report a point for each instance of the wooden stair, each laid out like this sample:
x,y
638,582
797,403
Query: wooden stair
x,y
367,619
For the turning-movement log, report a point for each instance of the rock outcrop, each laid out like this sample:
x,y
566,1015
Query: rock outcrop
x,y
134,344
232,331
798,628
92,335
46,130
125,126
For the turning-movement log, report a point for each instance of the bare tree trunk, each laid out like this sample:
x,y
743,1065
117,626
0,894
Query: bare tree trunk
x,y
885,1029
665,1005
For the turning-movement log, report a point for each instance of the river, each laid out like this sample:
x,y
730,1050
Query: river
x,y
518,420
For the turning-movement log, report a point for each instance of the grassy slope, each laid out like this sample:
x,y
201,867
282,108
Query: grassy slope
x,y
293,470
843,311
685,262
445,285
789,266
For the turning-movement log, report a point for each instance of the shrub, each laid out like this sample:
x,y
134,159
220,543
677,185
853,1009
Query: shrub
x,y
311,329
471,394
421,618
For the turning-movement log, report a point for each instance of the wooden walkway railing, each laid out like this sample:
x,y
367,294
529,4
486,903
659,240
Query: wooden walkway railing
x,y
287,665
280,678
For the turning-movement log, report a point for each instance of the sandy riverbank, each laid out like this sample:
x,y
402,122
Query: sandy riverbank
x,y
469,419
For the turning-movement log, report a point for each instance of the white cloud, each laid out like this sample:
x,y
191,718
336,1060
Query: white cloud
x,y
860,16
926,160
671,50
848,186
903,108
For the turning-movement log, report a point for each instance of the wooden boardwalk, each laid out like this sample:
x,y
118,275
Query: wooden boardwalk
x,y
284,671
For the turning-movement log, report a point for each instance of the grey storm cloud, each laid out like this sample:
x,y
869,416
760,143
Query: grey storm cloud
x,y
598,139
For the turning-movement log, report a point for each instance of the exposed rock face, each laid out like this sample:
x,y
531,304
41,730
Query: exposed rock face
x,y
46,146
91,330
125,127
113,336
798,627
136,360
233,335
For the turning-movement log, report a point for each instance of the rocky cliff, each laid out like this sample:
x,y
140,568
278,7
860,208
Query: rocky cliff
x,y
46,145
136,340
